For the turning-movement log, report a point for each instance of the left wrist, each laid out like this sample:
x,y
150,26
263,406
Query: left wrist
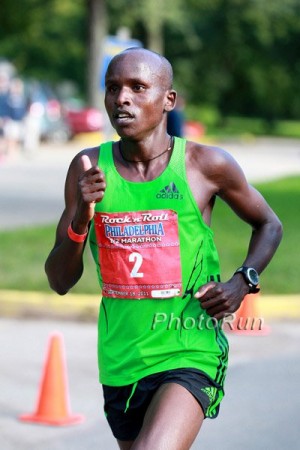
x,y
250,278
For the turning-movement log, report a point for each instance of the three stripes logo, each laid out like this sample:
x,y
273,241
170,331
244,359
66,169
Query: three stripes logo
x,y
210,392
170,192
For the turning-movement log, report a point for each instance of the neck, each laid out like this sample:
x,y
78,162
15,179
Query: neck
x,y
145,160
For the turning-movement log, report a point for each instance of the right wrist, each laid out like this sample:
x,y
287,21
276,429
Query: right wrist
x,y
76,237
79,227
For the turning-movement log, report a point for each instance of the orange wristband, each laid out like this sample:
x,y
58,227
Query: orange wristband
x,y
74,236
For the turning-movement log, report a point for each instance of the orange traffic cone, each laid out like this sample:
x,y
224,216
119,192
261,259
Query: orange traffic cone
x,y
247,320
53,406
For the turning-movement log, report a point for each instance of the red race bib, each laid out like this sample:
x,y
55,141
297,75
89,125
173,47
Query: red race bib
x,y
139,254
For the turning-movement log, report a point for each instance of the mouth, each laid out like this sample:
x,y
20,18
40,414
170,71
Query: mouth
x,y
123,117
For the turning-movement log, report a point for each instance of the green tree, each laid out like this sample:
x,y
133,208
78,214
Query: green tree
x,y
244,59
146,19
44,39
240,56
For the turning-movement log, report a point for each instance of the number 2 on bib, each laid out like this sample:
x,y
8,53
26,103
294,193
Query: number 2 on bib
x,y
137,259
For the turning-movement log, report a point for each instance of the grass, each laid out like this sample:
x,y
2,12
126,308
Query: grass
x,y
23,252
243,126
23,255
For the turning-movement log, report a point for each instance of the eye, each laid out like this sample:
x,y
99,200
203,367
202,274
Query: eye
x,y
112,88
138,87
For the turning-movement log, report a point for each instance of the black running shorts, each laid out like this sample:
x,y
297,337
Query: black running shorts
x,y
125,406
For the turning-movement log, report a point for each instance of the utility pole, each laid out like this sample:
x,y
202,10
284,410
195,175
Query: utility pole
x,y
97,22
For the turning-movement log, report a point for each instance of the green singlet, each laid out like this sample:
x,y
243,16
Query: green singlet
x,y
153,251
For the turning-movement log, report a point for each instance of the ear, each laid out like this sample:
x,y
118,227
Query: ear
x,y
170,102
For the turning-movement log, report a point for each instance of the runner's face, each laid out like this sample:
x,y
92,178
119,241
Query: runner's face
x,y
135,95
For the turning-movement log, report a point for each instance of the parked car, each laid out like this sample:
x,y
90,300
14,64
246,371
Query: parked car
x,y
82,119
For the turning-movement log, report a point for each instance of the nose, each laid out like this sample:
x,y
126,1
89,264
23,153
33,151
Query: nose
x,y
123,97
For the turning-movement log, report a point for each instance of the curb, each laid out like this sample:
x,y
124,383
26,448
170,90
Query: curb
x,y
48,304
85,306
279,306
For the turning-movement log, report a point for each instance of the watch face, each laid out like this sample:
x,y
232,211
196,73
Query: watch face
x,y
253,276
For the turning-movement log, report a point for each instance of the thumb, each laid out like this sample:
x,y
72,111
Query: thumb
x,y
85,162
203,290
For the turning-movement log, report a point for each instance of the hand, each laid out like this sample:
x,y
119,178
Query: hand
x,y
220,299
91,188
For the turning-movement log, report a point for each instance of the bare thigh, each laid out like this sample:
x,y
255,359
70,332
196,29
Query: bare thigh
x,y
125,445
172,421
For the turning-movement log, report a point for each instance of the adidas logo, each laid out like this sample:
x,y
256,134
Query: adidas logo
x,y
210,392
170,192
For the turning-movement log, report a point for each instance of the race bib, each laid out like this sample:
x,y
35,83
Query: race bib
x,y
139,254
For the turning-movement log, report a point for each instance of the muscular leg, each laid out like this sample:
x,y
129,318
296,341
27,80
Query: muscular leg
x,y
172,421
125,445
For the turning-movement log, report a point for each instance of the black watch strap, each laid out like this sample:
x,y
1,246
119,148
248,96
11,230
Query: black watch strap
x,y
251,277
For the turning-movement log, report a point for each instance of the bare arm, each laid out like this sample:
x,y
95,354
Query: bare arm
x,y
230,184
85,185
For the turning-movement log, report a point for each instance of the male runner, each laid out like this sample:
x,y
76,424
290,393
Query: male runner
x,y
146,202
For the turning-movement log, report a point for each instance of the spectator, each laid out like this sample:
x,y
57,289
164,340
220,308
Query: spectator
x,y
4,89
16,112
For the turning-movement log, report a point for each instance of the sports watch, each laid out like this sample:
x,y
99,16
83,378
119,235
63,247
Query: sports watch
x,y
251,277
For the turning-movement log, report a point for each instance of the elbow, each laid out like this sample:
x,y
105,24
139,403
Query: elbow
x,y
61,277
275,231
278,229
60,290
57,287
55,282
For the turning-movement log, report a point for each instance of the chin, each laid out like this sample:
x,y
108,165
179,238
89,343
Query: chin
x,y
125,133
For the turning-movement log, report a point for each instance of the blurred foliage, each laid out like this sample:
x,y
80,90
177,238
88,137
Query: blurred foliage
x,y
45,38
236,57
245,127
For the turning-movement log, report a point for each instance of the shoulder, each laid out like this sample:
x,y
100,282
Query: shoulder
x,y
75,168
92,153
214,164
208,156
